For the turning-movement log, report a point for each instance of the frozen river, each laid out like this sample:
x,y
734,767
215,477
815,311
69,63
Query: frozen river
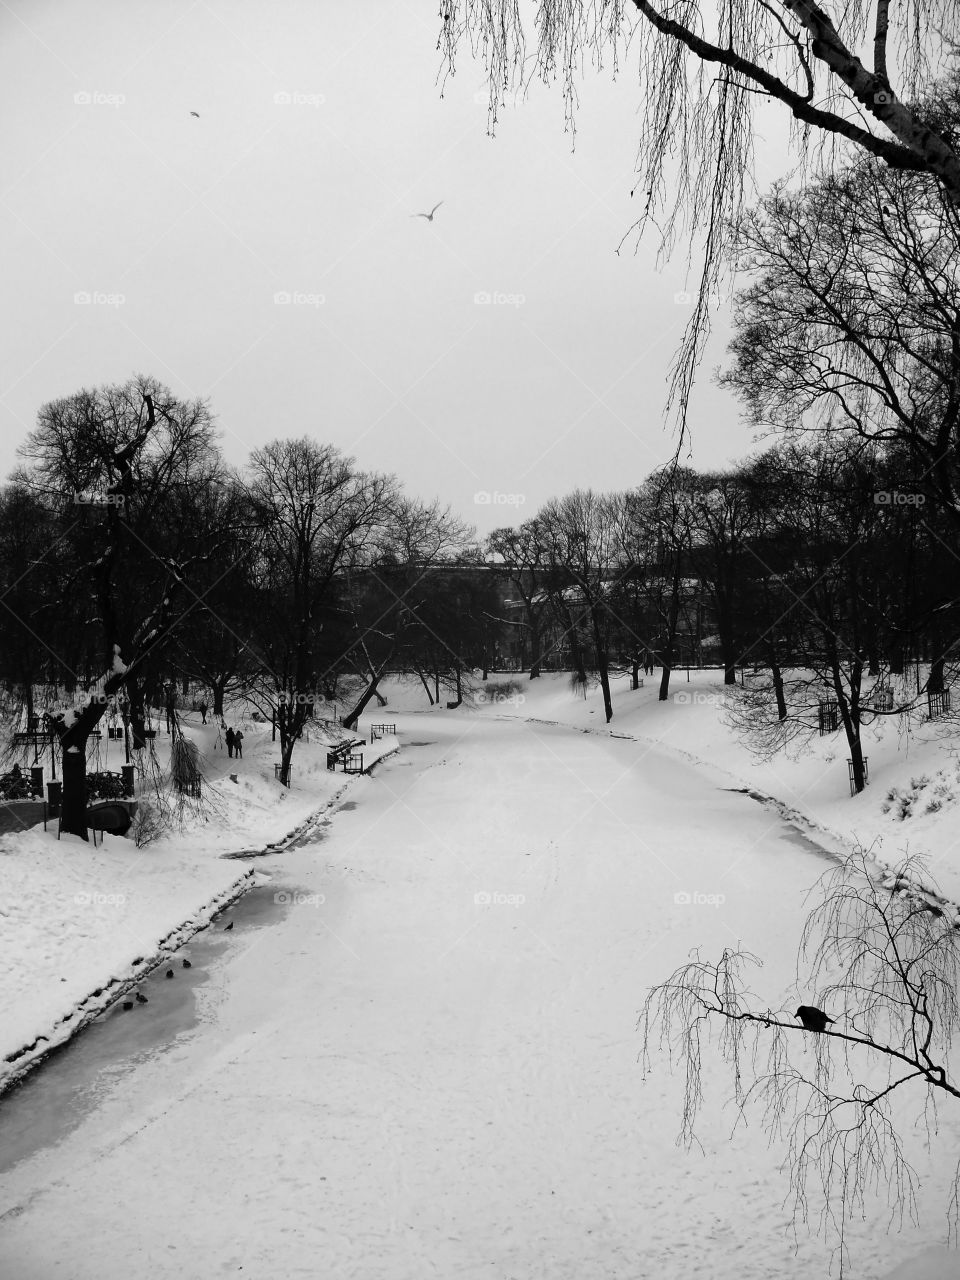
x,y
423,1059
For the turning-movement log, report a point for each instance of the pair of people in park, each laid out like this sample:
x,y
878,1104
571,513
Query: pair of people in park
x,y
234,739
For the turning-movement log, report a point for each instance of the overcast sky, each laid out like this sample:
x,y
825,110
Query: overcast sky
x,y
321,130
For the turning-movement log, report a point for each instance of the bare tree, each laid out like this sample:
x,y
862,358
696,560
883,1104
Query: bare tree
x,y
847,77
579,534
852,319
122,465
317,517
883,955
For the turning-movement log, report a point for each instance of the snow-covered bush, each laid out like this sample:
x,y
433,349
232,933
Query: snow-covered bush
x,y
104,786
147,825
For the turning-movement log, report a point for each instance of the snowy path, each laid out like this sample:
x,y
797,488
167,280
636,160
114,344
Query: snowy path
x,y
401,1082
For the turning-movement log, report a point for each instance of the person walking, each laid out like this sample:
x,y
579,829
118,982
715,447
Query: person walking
x,y
238,744
231,740
203,710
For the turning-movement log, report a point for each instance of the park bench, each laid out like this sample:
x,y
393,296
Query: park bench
x,y
338,754
378,730
353,762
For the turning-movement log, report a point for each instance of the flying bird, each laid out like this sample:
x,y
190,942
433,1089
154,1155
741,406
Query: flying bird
x,y
428,216
228,927
812,1019
195,113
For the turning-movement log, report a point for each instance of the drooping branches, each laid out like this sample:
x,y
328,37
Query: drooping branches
x,y
885,959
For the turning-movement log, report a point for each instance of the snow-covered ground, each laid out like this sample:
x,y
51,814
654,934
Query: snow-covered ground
x,y
429,1064
79,925
911,805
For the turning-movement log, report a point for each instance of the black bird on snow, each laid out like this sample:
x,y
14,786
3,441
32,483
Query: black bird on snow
x,y
228,927
141,999
128,1004
169,973
186,964
812,1019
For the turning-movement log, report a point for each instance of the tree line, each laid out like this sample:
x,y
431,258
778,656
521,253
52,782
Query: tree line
x,y
133,556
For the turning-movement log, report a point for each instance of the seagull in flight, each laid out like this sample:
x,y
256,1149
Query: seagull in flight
x,y
428,216
195,113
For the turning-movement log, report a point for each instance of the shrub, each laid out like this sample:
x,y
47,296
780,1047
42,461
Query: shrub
x,y
104,786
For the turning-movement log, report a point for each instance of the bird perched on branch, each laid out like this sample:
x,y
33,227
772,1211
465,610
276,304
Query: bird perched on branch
x,y
812,1019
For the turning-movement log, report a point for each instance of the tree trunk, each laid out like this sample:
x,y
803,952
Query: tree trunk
x,y
667,655
935,679
217,688
73,807
603,666
727,647
286,754
351,718
423,681
536,654
777,674
137,717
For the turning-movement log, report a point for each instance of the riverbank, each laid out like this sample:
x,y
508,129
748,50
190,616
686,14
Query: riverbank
x,y
82,925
